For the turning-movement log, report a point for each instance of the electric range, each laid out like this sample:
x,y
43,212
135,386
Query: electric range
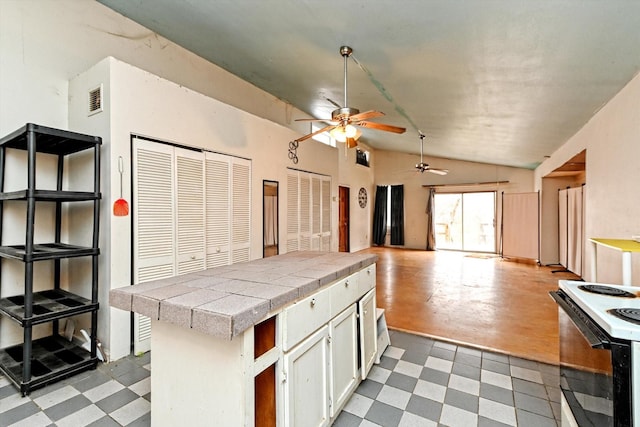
x,y
598,352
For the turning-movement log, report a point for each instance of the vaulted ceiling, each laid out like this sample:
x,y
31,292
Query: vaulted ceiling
x,y
495,81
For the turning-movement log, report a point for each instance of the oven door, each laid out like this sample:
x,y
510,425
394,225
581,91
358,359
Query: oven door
x,y
594,368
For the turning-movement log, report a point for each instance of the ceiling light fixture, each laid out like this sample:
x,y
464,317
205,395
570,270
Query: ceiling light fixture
x,y
341,133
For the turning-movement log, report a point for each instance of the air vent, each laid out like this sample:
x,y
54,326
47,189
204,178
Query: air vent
x,y
95,100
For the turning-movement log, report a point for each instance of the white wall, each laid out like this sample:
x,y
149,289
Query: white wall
x,y
612,176
392,168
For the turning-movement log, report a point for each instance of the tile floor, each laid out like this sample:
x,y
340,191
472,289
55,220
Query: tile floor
x,y
419,382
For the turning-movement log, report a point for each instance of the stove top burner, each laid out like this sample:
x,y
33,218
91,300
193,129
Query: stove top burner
x,y
606,290
629,314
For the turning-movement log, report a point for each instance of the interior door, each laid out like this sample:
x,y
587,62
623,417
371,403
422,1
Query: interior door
x,y
270,233
343,219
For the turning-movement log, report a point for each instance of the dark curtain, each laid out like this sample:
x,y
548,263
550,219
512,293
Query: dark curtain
x,y
397,215
380,216
431,229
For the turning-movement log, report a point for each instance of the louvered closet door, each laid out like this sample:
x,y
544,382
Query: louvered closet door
x,y
154,223
305,211
308,211
240,210
325,231
293,222
316,211
190,214
218,210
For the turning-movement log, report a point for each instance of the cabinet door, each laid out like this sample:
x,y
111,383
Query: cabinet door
x,y
368,331
344,357
306,388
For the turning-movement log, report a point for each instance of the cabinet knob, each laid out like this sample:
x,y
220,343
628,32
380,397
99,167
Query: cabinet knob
x,y
193,257
217,250
313,302
346,284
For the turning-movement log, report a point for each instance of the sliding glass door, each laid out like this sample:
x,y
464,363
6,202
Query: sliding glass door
x,y
466,221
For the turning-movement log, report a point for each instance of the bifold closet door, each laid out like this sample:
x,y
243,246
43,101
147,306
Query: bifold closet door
x,y
168,212
308,211
575,230
154,233
563,230
191,210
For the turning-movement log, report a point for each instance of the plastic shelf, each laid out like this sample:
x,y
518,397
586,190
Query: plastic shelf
x,y
50,140
47,305
48,359
45,251
53,358
51,195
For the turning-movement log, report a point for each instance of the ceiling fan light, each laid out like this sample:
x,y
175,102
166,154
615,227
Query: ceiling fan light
x,y
339,134
350,131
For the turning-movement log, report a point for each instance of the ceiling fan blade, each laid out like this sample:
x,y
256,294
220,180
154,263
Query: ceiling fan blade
x,y
382,126
366,115
324,129
438,171
351,142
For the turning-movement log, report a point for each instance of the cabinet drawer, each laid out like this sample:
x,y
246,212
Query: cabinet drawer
x,y
344,293
304,317
367,279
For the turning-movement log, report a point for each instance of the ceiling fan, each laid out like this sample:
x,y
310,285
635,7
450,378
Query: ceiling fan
x,y
422,167
344,119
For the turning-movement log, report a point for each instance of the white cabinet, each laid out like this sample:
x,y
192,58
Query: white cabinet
x,y
344,357
339,323
368,334
306,391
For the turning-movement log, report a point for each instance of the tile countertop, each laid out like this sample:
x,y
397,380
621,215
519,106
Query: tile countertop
x,y
225,301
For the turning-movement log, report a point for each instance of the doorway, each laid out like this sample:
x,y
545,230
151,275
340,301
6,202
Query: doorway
x,y
343,219
270,218
466,221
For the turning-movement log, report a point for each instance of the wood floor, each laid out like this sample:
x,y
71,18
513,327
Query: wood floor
x,y
471,299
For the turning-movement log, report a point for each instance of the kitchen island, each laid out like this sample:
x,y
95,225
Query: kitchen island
x,y
275,341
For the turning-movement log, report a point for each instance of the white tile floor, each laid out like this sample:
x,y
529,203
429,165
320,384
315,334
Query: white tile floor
x,y
419,382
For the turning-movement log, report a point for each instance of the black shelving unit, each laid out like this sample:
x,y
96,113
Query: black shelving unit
x,y
35,363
